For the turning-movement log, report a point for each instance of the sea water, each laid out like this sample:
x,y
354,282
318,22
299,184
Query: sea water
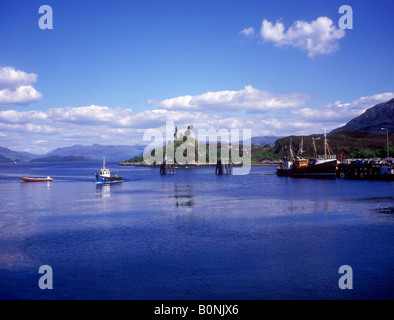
x,y
192,235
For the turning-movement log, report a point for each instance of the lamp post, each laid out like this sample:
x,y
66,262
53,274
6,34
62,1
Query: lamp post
x,y
387,133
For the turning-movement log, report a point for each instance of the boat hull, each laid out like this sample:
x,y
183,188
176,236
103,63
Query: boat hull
x,y
322,170
27,179
111,179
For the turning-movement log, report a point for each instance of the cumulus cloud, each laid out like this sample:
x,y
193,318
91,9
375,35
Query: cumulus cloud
x,y
11,78
114,117
247,32
13,116
16,87
22,95
318,37
340,112
29,128
58,127
249,99
83,115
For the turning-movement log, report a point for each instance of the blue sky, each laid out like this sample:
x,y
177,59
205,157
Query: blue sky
x,y
109,70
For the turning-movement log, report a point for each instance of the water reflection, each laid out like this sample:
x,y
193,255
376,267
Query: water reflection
x,y
103,190
184,195
305,206
47,184
387,210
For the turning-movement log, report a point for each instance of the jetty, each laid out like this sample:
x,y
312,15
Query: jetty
x,y
366,169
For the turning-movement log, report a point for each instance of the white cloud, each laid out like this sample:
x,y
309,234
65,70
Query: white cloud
x,y
317,37
340,112
248,99
247,32
11,78
112,117
22,95
15,87
58,127
13,116
29,128
85,115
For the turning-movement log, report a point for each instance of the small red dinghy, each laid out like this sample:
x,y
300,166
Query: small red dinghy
x,y
26,179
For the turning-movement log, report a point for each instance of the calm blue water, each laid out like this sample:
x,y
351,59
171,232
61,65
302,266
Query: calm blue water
x,y
193,235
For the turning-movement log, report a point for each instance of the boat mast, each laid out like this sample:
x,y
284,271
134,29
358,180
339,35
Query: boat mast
x,y
314,147
103,162
291,151
325,145
301,147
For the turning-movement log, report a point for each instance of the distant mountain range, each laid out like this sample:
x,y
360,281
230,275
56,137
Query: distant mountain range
x,y
373,119
74,153
7,155
97,152
61,159
264,140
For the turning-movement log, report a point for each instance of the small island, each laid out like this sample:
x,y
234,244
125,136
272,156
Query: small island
x,y
261,155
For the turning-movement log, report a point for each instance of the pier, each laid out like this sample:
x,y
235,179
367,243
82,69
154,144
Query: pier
x,y
366,169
